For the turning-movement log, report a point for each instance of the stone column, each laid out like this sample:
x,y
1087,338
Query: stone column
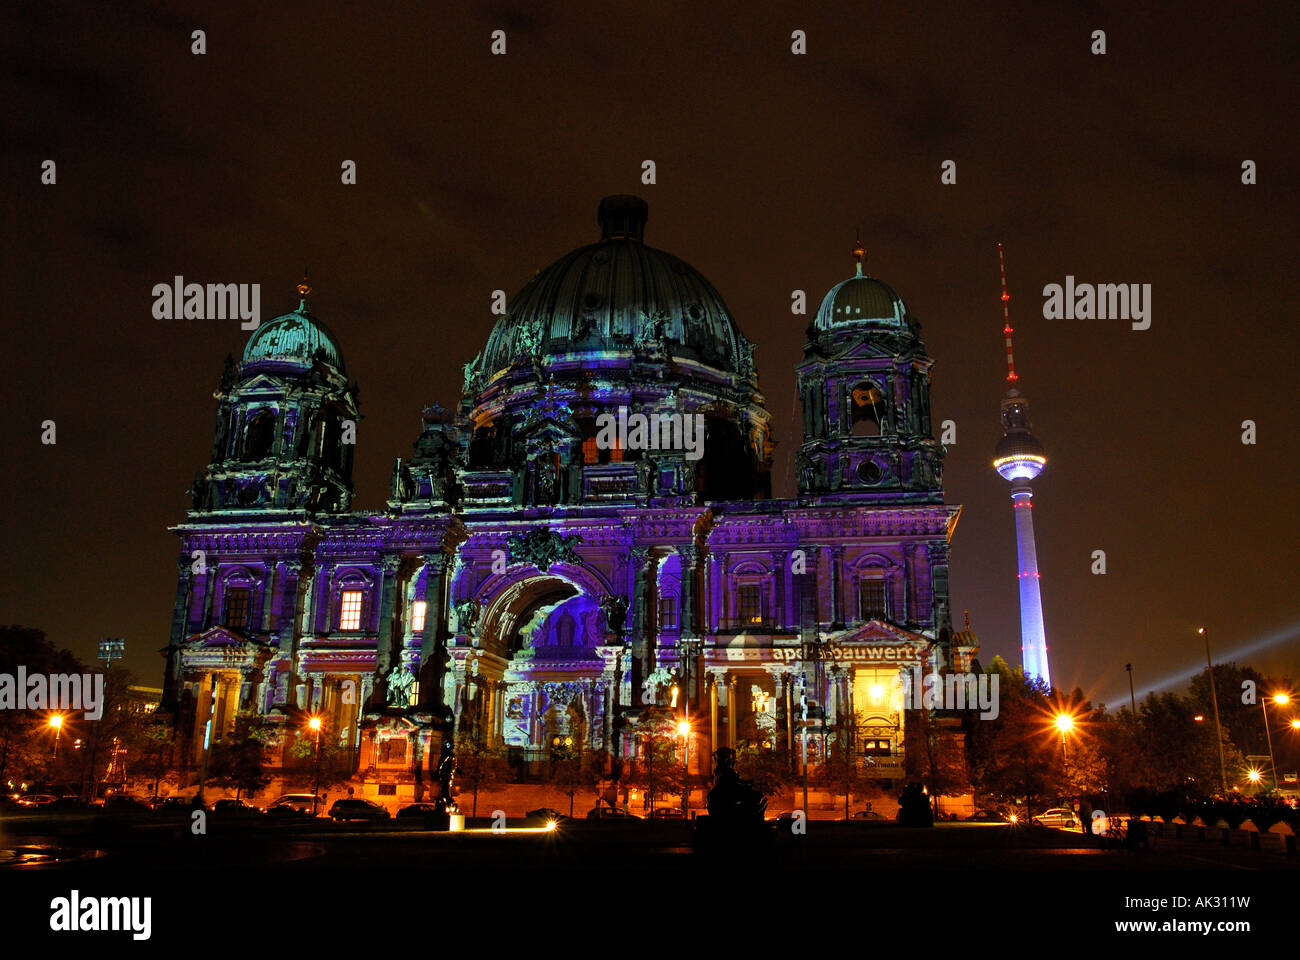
x,y
780,571
180,621
499,724
837,586
611,701
642,650
209,590
713,710
387,601
323,598
731,710
304,614
715,574
268,595
910,611
433,647
689,555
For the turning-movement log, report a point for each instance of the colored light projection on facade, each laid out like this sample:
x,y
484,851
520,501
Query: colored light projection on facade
x,y
527,585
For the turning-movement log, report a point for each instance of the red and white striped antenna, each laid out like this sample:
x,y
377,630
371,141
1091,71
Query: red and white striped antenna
x,y
1006,317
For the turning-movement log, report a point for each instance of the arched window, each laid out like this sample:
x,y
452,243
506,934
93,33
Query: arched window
x,y
259,435
331,440
873,597
726,471
867,405
235,614
483,447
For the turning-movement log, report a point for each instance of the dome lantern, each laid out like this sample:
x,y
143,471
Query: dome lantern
x,y
622,217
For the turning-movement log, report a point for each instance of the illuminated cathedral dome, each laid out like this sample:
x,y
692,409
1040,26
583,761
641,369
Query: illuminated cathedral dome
x,y
618,329
860,299
604,299
295,339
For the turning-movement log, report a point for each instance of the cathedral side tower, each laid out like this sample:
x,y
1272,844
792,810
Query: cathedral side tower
x,y
864,384
286,425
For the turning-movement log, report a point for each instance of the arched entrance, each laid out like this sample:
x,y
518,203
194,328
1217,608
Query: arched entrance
x,y
544,633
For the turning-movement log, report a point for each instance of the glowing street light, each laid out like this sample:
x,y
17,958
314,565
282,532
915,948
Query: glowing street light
x,y
56,721
684,731
1281,699
314,725
1254,775
1064,723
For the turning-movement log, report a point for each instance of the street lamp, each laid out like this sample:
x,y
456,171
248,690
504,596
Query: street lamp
x,y
56,722
1214,698
684,730
314,724
1064,723
1281,699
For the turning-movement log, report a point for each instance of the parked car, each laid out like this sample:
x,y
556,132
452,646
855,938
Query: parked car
x,y
868,815
174,805
421,809
987,816
606,812
1057,817
69,804
294,805
546,814
667,813
355,808
235,808
123,805
36,800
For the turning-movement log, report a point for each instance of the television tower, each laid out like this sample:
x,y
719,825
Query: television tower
x,y
1019,458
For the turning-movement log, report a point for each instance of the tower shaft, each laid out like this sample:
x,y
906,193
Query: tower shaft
x,y
1033,637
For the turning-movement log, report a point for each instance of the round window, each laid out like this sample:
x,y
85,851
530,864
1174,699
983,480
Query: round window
x,y
869,472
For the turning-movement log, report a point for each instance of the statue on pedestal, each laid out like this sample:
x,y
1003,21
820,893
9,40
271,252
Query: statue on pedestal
x,y
732,799
444,805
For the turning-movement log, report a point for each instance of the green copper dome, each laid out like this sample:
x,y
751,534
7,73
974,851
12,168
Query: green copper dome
x,y
296,338
860,299
612,295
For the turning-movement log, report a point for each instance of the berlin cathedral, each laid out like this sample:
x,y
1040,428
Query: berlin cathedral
x,y
529,585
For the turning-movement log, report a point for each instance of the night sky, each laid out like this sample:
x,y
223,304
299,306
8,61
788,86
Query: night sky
x,y
474,171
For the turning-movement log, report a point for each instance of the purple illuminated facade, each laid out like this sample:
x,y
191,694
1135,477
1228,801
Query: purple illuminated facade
x,y
528,583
